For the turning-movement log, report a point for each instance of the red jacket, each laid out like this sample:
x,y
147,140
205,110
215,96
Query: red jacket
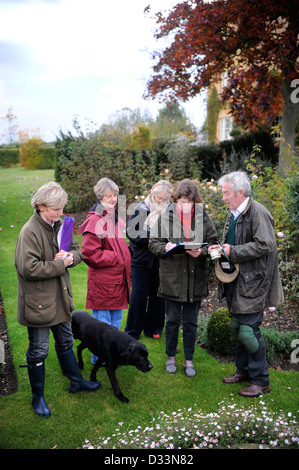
x,y
108,258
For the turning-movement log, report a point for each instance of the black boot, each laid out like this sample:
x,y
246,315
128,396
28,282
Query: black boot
x,y
70,369
36,372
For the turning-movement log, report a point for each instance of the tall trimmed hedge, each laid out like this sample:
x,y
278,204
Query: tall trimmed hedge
x,y
81,162
242,146
9,157
48,157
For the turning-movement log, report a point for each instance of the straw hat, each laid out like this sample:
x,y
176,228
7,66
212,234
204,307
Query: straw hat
x,y
226,275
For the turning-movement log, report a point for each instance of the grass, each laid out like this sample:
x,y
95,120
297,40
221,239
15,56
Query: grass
x,y
86,416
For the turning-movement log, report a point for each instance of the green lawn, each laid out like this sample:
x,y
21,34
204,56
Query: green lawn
x,y
86,415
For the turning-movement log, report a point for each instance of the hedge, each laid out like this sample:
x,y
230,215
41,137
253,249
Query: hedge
x,y
215,333
48,160
9,157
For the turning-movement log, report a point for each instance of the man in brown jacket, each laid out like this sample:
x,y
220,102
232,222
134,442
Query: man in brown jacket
x,y
249,242
45,299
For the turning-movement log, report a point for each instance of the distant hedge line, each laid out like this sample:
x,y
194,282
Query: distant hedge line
x,y
80,161
11,156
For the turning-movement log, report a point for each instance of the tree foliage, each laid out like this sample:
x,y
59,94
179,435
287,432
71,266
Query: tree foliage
x,y
30,156
172,122
255,42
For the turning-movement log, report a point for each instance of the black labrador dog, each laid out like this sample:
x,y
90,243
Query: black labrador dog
x,y
112,347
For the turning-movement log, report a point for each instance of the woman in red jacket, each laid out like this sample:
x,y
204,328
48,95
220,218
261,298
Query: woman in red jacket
x,y
107,255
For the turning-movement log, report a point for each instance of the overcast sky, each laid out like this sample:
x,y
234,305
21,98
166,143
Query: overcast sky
x,y
87,58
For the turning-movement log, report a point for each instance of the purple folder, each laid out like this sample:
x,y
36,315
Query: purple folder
x,y
66,233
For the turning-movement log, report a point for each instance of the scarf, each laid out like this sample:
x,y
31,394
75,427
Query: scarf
x,y
186,219
155,211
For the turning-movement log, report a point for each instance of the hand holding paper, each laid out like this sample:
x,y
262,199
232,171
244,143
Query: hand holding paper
x,y
66,257
192,248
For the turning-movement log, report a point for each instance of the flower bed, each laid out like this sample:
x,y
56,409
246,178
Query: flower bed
x,y
229,427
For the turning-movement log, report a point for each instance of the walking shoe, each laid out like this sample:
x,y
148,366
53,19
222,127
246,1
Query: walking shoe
x,y
254,390
190,371
171,367
235,379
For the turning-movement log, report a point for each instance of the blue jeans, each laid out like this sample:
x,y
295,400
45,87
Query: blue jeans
x,y
38,348
112,317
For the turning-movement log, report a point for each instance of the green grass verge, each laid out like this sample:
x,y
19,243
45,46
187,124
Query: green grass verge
x,y
86,415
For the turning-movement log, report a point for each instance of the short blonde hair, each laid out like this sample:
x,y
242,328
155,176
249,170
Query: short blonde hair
x,y
103,186
51,195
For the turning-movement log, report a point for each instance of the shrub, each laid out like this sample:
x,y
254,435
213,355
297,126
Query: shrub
x,y
244,144
220,338
271,190
202,322
208,158
30,156
48,157
82,161
278,344
281,197
9,157
211,195
217,336
292,206
35,155
180,163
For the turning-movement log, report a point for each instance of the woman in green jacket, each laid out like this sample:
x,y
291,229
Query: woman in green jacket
x,y
44,293
183,276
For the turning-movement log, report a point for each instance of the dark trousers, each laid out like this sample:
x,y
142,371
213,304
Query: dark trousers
x,y
188,313
146,311
253,365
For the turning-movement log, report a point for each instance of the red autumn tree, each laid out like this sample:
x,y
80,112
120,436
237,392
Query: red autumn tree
x,y
254,41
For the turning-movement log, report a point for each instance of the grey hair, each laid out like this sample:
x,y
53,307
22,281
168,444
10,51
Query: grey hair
x,y
239,180
50,195
162,186
103,186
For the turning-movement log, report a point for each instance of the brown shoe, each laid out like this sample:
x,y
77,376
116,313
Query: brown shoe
x,y
254,390
235,379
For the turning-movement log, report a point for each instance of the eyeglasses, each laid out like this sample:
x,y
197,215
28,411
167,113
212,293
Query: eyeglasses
x,y
161,199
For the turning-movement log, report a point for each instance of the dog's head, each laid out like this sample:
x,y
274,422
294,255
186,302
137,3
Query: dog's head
x,y
137,355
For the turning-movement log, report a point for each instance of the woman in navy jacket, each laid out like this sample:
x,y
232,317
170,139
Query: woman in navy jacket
x,y
146,311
